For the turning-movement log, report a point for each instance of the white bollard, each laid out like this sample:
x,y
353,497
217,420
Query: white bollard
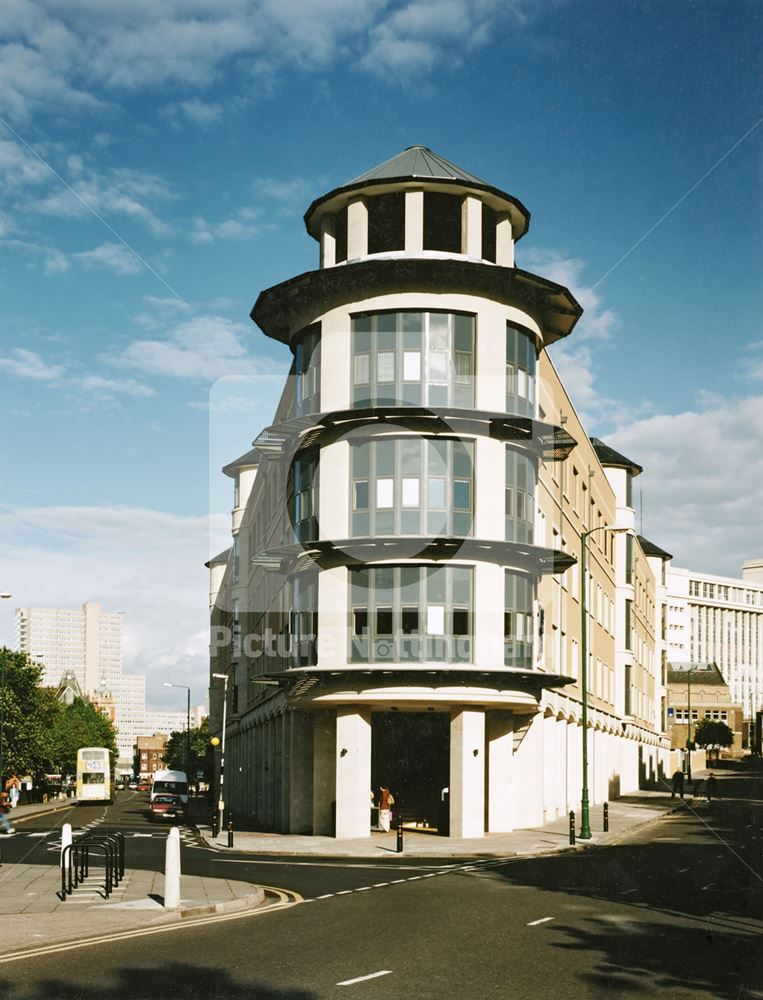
x,y
66,839
172,870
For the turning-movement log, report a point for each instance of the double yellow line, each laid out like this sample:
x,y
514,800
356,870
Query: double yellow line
x,y
281,899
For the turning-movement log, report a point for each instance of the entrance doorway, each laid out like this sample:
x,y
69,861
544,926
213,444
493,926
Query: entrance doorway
x,y
410,754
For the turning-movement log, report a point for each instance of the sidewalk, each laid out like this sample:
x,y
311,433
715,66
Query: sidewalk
x,y
30,895
625,815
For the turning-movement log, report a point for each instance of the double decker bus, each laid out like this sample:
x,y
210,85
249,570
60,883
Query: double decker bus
x,y
94,775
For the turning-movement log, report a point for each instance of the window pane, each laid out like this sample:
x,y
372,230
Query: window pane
x,y
411,366
385,367
436,498
460,621
410,493
362,369
360,621
361,495
463,368
384,493
462,494
438,366
384,621
435,619
410,621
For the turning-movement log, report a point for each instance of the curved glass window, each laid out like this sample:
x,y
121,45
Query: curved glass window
x,y
413,359
411,613
303,498
307,368
520,496
517,621
520,371
412,486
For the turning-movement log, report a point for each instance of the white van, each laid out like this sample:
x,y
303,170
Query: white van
x,y
170,783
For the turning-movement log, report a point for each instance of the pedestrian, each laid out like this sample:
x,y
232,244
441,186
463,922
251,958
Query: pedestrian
x,y
710,787
5,823
14,792
678,784
386,801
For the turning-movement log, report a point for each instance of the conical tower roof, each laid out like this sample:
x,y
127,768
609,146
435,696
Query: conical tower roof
x,y
418,161
417,166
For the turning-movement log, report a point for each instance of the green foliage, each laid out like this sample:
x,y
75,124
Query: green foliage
x,y
80,725
710,733
30,714
201,757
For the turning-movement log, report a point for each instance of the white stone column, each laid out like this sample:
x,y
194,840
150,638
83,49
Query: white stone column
x,y
504,241
324,771
414,221
353,772
328,242
467,773
500,764
471,227
357,229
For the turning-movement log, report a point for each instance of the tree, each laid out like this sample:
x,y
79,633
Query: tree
x,y
80,725
175,753
29,713
713,735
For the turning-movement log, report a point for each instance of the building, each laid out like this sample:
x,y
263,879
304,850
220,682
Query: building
x,y
719,619
168,721
149,754
86,645
696,691
402,601
86,642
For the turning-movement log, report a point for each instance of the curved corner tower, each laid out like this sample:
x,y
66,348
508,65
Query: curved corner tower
x,y
401,565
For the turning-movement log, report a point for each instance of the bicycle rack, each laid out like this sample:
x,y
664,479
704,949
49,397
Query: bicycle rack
x,y
75,861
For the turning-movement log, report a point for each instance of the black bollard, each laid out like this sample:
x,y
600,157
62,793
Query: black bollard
x,y
399,847
215,826
606,816
572,827
230,833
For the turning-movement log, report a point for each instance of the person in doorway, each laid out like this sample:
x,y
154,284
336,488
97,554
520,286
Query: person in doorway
x,y
678,784
386,801
5,823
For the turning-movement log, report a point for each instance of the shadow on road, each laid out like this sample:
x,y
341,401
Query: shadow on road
x,y
682,913
169,982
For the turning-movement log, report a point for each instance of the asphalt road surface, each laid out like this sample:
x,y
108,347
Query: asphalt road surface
x,y
673,911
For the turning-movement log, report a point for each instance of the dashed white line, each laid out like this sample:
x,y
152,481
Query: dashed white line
x,y
543,920
327,895
363,979
380,885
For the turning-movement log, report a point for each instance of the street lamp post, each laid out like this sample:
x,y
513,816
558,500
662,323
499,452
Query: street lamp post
x,y
585,816
688,724
167,684
221,795
3,596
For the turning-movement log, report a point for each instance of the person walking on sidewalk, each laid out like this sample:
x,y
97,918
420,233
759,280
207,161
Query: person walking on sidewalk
x,y
5,823
678,783
710,787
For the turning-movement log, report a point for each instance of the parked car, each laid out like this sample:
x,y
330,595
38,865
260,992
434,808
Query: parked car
x,y
143,786
166,807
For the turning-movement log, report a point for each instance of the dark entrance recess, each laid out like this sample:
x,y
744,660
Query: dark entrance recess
x,y
410,754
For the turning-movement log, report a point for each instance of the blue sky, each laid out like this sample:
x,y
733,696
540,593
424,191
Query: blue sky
x,y
155,163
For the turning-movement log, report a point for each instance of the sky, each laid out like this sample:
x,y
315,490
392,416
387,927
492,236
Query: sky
x,y
155,164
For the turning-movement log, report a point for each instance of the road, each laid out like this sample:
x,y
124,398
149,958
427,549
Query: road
x,y
673,911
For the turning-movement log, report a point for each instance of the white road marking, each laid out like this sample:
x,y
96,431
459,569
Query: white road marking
x,y
327,895
345,892
682,870
363,979
627,892
543,920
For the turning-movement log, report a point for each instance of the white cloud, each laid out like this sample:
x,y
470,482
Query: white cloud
x,y
702,480
112,257
106,387
28,364
241,228
63,556
204,348
203,114
119,192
